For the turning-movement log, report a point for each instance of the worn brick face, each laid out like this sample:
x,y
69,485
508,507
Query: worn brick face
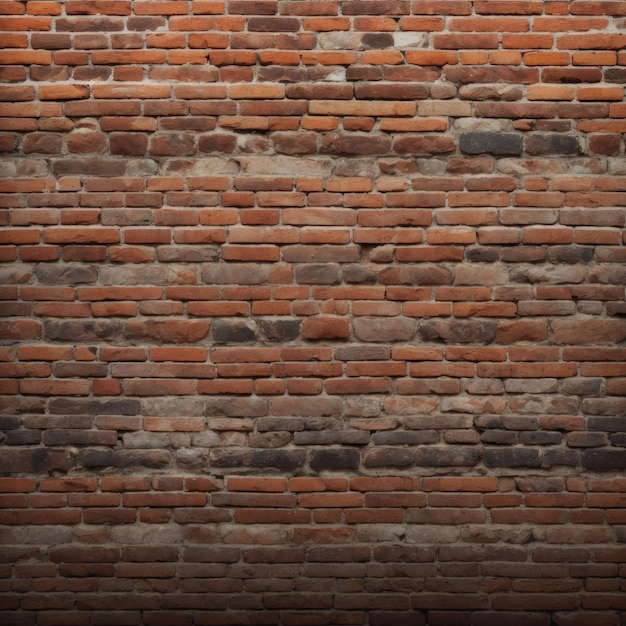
x,y
312,312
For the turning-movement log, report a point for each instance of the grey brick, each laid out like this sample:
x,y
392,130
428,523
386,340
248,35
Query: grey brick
x,y
233,331
492,143
447,457
337,458
511,457
604,459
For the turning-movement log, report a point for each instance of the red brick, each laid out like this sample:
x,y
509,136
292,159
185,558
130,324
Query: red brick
x,y
179,354
41,516
17,485
164,499
529,516
460,484
462,41
78,484
116,483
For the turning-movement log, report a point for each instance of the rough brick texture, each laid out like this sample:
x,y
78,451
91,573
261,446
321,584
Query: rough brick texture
x,y
313,312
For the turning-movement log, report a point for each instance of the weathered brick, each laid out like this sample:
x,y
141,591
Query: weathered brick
x,y
463,331
335,459
225,331
443,457
424,145
493,143
325,327
354,145
551,144
384,330
513,457
279,459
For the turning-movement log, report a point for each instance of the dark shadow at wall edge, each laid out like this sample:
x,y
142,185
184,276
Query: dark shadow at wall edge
x,y
312,313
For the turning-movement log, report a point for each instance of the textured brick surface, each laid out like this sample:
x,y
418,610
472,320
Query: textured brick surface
x,y
312,312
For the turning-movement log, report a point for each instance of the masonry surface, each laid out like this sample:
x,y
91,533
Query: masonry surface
x,y
312,313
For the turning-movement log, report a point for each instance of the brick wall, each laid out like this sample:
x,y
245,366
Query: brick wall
x,y
313,312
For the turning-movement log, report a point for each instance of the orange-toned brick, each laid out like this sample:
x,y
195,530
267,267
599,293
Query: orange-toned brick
x,y
550,92
375,24
473,57
326,24
547,58
279,57
26,57
586,94
328,57
505,57
606,57
256,91
36,7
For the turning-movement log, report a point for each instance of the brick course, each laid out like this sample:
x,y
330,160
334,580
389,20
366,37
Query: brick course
x,y
312,312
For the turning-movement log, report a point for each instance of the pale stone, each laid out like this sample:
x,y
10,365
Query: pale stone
x,y
410,40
